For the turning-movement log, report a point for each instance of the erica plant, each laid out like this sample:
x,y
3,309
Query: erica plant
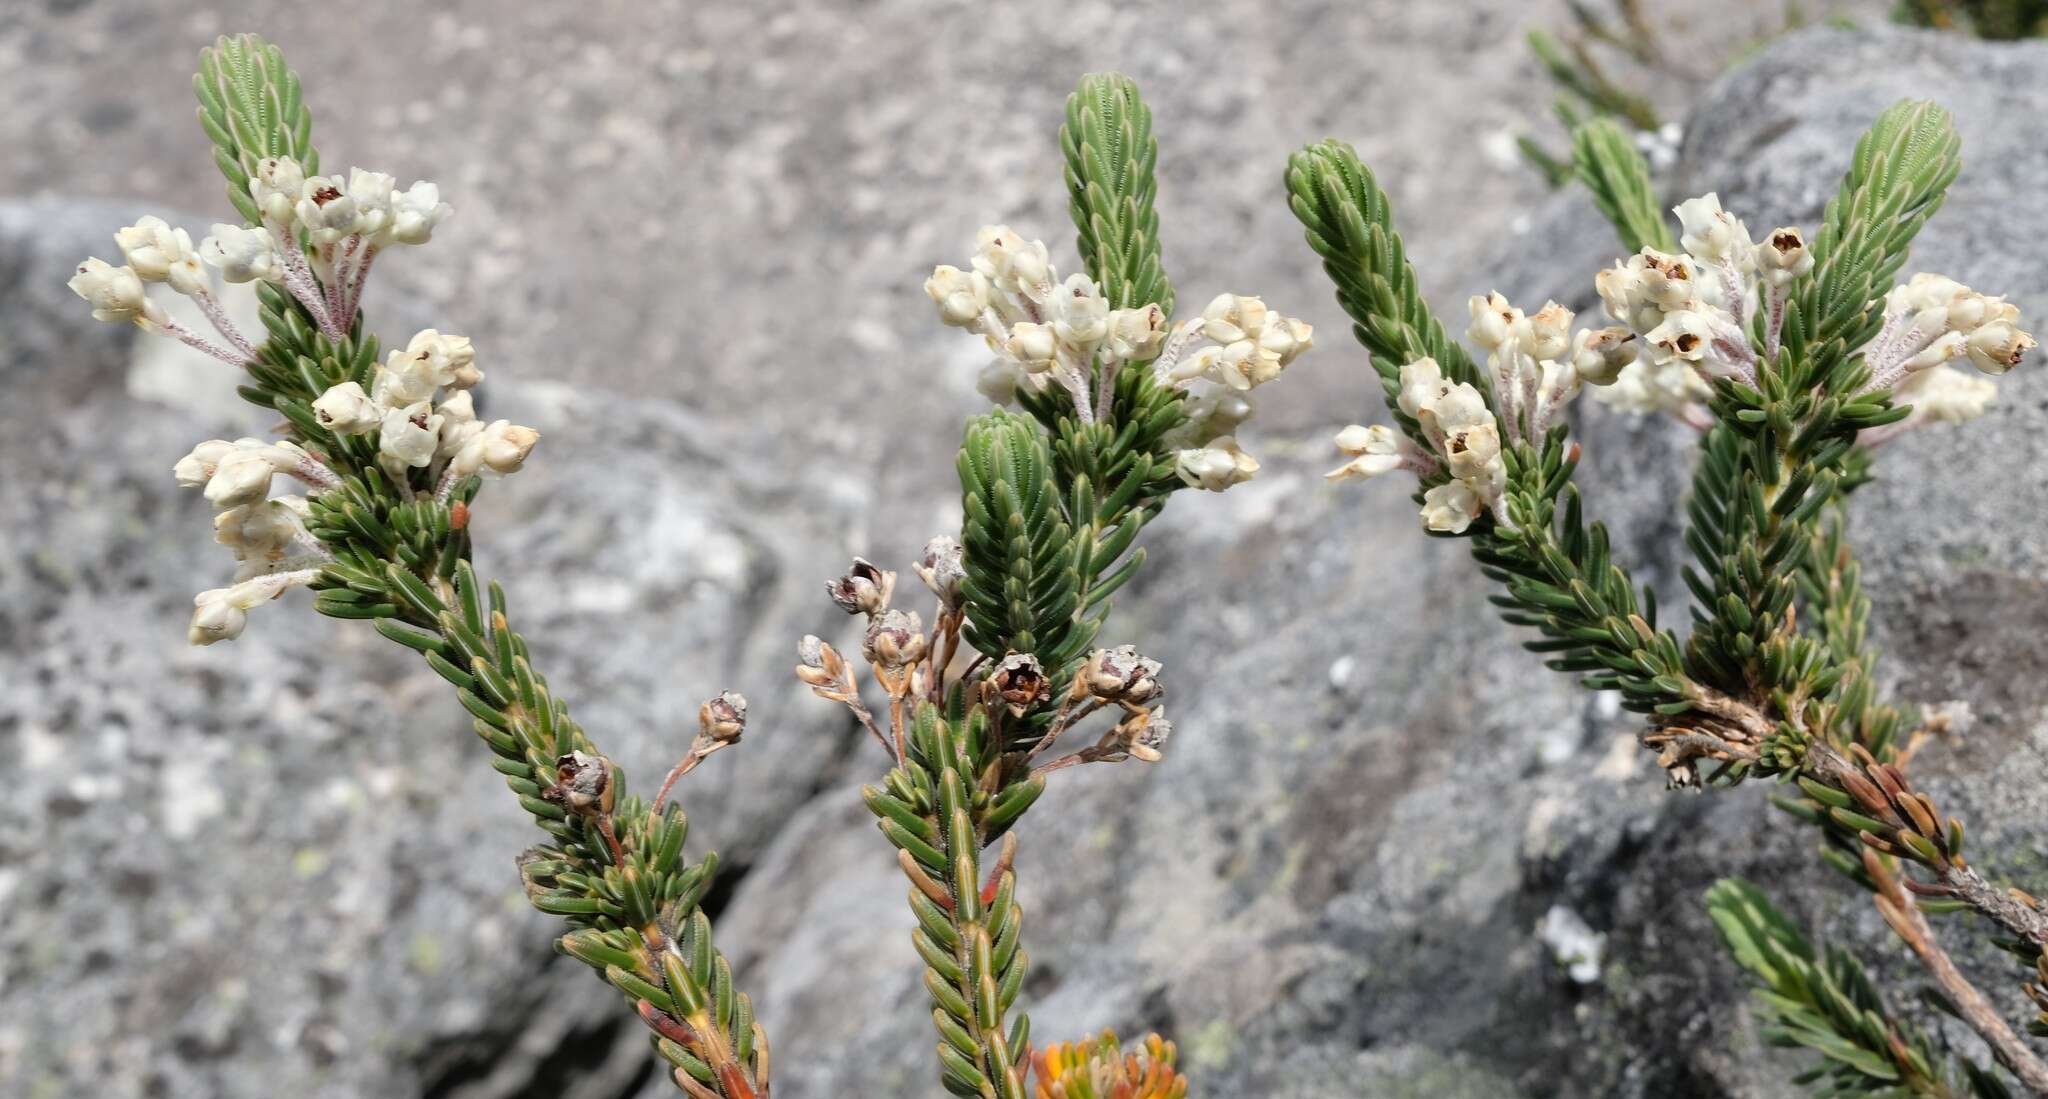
x,y
1795,356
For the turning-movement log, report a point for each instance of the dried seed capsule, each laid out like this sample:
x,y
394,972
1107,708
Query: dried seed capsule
x,y
723,717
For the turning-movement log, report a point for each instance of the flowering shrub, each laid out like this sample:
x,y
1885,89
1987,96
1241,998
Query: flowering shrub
x,y
391,456
1120,408
1794,361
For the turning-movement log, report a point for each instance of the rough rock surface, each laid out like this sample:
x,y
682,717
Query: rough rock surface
x,y
278,867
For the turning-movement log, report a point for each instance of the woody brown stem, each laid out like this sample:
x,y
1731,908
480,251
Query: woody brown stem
x,y
1828,765
1905,917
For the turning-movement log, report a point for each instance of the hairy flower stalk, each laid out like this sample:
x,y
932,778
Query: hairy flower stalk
x,y
1793,356
1122,408
391,456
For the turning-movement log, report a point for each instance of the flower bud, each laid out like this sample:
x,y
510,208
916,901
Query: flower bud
x,y
1136,334
1373,451
1019,681
863,589
446,359
723,717
1549,332
371,192
500,448
1229,318
153,248
1080,312
1216,466
197,468
583,785
1285,338
1011,263
997,381
1711,233
895,639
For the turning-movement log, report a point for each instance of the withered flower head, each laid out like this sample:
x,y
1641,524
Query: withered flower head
x,y
863,589
895,639
583,785
942,570
723,717
1020,681
1122,675
1148,734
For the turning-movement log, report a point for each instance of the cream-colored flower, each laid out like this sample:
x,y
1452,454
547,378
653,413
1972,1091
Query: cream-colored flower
x,y
240,477
1450,507
346,410
416,211
410,435
1373,450
500,448
243,255
1783,256
1599,354
115,293
1712,234
962,296
1216,466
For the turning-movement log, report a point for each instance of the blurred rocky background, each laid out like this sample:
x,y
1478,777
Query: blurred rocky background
x,y
689,243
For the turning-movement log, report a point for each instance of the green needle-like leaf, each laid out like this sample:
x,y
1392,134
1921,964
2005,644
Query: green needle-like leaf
x,y
251,107
1607,162
1110,157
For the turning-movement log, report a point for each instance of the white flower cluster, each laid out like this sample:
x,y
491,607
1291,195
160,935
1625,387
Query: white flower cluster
x,y
1692,310
417,428
1464,439
1535,364
1045,330
157,252
267,535
366,205
347,222
417,431
1693,313
1932,320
